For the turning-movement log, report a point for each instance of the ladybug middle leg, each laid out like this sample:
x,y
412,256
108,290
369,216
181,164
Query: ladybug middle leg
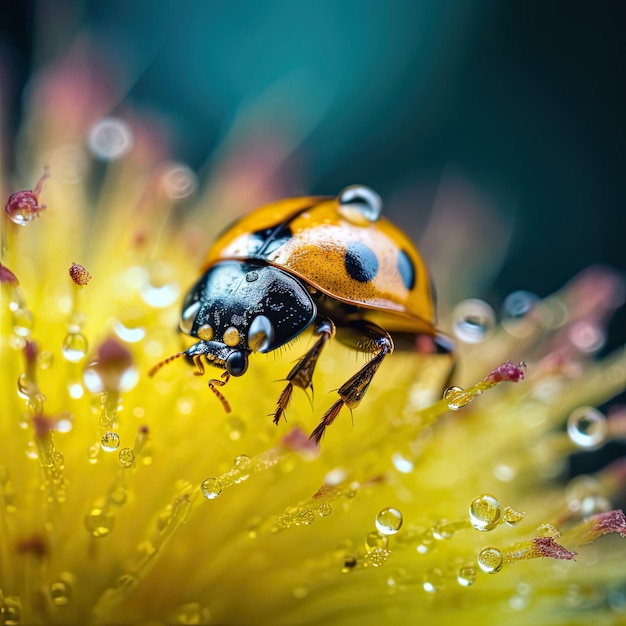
x,y
301,375
365,337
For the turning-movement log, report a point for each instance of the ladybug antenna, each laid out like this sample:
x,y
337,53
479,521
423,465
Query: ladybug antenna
x,y
158,366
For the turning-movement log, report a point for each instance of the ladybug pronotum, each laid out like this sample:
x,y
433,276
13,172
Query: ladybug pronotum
x,y
331,263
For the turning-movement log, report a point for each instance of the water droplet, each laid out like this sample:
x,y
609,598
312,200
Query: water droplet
x,y
110,441
127,457
61,590
490,560
160,288
515,313
93,453
98,523
75,390
457,398
376,540
23,322
110,138
443,530
473,319
178,181
118,496
74,347
242,465
402,463
45,359
389,521
512,517
11,611
128,326
434,580
377,557
587,427
335,477
466,576
485,512
324,510
360,205
211,488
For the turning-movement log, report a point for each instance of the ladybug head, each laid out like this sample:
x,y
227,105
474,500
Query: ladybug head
x,y
241,307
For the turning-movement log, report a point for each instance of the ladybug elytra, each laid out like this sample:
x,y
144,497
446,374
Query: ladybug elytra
x,y
331,263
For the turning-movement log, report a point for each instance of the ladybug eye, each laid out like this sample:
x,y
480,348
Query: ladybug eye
x,y
188,317
360,205
237,364
261,334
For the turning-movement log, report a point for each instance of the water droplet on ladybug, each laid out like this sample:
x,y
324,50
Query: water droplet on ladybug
x,y
261,334
360,205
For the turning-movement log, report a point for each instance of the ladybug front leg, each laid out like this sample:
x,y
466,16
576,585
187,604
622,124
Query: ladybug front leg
x,y
365,337
301,375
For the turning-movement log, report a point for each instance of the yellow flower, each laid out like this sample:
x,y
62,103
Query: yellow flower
x,y
129,499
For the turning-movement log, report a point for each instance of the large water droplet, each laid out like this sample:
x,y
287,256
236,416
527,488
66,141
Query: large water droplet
x,y
110,138
490,560
360,205
473,319
110,441
74,347
211,488
23,322
587,427
485,512
389,521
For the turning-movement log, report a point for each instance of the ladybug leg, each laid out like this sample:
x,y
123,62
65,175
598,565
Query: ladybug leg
x,y
365,337
301,375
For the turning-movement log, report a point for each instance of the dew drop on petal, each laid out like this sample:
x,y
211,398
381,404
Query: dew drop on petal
x,y
389,521
98,523
375,540
23,322
457,398
74,347
324,510
466,576
60,593
485,512
126,456
512,517
110,441
587,427
211,488
473,319
128,328
110,138
490,560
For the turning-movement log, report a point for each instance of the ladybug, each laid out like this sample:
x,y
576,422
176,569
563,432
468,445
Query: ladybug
x,y
331,263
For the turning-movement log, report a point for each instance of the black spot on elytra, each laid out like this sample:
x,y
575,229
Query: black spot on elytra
x,y
406,269
361,262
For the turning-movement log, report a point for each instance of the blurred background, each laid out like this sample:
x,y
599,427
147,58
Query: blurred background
x,y
494,131
512,112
